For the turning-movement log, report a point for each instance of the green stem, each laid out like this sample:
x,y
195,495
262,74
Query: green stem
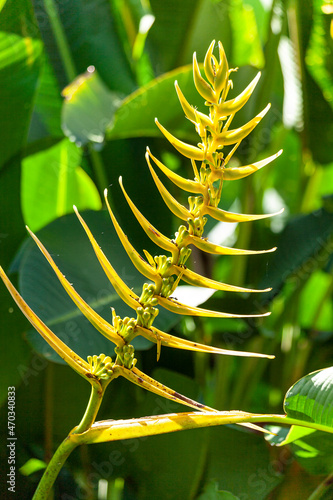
x,y
322,488
96,396
60,38
54,467
99,169
69,444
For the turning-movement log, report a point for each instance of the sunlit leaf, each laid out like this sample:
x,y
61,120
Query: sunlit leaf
x,y
246,43
52,181
136,115
88,108
20,60
311,398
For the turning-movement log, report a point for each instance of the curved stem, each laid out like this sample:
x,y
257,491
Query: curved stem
x,y
96,396
54,467
69,444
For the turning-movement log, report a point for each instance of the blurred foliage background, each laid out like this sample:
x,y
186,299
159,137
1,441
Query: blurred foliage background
x,y
80,85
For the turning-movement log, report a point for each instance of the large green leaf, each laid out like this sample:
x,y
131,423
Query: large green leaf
x,y
170,32
304,245
136,115
319,53
311,398
17,17
88,31
45,120
20,60
52,181
318,113
70,248
89,111
250,455
246,43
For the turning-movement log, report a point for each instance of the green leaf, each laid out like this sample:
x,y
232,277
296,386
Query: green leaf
x,y
67,243
88,108
320,51
52,181
246,43
45,120
312,449
315,309
311,398
298,253
250,455
318,112
31,466
136,115
134,19
88,28
20,60
170,32
17,16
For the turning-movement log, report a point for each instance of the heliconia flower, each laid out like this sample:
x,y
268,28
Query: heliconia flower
x,y
165,272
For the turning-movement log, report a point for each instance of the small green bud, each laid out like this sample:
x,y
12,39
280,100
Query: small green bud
x,y
101,366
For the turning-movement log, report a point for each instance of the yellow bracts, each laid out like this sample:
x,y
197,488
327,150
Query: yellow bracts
x,y
72,359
